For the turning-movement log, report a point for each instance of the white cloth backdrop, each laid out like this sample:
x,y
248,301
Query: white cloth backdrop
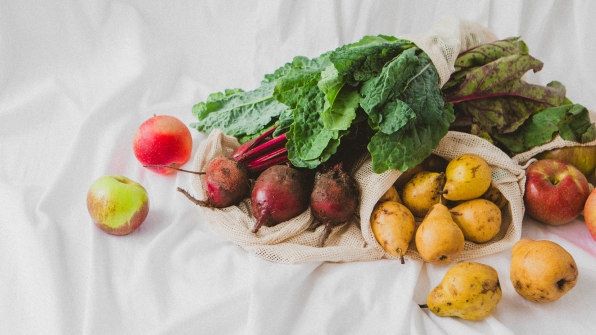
x,y
78,77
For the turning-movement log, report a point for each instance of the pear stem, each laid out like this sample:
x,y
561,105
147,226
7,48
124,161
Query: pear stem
x,y
401,255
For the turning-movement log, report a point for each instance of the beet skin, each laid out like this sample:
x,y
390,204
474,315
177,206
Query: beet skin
x,y
279,194
334,199
226,183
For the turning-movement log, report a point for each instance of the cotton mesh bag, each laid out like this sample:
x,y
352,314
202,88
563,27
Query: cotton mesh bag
x,y
527,157
296,240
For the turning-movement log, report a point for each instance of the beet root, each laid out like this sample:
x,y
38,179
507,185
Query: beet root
x,y
226,184
334,198
280,193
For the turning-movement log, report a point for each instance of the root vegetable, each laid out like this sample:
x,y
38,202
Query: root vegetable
x,y
334,198
280,193
226,183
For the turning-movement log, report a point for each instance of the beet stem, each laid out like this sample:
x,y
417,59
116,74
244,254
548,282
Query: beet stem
x,y
279,156
264,148
241,153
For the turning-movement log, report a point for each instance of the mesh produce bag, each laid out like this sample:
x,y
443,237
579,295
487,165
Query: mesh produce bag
x,y
295,241
526,158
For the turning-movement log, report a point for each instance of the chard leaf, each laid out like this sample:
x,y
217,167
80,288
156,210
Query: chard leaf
x,y
484,54
571,122
497,97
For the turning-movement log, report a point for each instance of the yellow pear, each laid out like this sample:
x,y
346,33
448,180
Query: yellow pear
x,y
468,176
433,163
468,290
439,239
494,194
479,219
393,226
541,270
390,195
423,191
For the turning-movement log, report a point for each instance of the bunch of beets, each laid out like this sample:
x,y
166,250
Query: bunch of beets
x,y
280,191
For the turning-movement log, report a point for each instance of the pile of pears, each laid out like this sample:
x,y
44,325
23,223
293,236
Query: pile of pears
x,y
454,201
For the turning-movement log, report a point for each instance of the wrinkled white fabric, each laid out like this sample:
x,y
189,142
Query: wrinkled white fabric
x,y
78,77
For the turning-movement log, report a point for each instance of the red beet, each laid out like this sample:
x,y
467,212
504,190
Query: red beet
x,y
334,198
226,183
279,194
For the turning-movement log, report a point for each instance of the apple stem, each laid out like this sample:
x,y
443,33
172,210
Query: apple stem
x,y
173,167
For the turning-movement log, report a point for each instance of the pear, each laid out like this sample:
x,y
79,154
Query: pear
x,y
468,290
494,194
468,176
541,270
432,163
390,195
439,239
479,219
423,191
582,157
393,226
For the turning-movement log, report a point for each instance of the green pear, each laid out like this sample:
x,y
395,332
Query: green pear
x,y
469,290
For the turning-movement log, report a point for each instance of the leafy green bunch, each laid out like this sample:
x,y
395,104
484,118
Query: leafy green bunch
x,y
381,90
490,94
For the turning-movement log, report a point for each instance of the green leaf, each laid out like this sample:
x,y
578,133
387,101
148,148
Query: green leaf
x,y
493,91
341,112
412,143
571,122
223,110
363,60
385,111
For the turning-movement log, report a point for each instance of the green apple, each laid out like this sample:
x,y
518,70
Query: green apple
x,y
117,204
582,157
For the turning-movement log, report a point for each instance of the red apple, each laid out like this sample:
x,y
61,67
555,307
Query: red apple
x,y
162,140
590,213
555,191
117,204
